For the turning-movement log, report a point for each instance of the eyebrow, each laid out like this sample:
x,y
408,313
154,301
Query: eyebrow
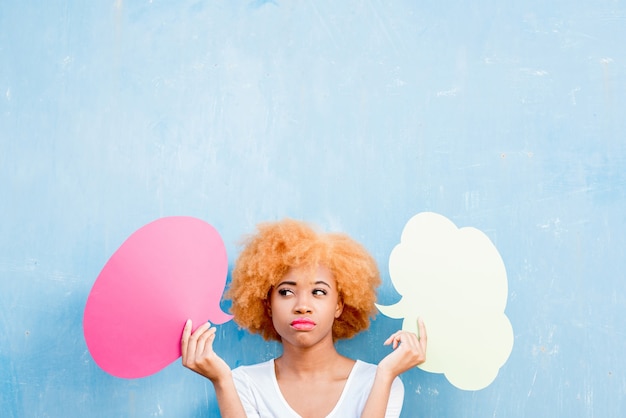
x,y
290,283
286,283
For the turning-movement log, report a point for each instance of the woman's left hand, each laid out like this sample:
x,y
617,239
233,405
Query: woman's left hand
x,y
409,350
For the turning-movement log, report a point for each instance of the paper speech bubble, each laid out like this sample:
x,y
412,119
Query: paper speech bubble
x,y
453,278
167,271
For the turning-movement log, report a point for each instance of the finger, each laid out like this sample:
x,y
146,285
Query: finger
x,y
201,330
391,338
185,338
402,337
192,344
396,341
205,341
422,335
409,339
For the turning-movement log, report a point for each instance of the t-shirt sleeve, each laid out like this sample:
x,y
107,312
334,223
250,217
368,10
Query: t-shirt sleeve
x,y
244,389
396,398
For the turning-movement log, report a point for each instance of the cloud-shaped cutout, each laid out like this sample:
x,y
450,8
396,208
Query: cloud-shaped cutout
x,y
454,279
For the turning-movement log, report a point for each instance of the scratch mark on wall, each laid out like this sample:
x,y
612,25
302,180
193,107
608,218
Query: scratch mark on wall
x,y
324,24
608,85
538,73
159,412
532,384
260,3
572,94
384,27
448,93
433,392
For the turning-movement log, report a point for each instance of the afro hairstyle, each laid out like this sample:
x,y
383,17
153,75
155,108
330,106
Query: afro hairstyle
x,y
278,246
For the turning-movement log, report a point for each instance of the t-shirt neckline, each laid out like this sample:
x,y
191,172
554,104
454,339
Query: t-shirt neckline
x,y
337,405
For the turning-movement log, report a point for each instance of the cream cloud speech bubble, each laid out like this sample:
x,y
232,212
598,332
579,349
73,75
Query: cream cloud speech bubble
x,y
455,279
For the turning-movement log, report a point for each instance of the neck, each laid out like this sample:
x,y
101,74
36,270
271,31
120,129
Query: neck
x,y
308,361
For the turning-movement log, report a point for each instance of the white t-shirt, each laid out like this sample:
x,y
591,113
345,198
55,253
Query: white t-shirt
x,y
261,397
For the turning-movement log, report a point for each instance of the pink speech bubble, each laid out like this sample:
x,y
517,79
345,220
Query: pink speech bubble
x,y
167,271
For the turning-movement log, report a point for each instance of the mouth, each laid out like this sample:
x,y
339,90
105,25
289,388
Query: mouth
x,y
302,324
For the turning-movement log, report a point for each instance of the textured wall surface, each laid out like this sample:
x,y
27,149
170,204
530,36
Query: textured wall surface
x,y
355,115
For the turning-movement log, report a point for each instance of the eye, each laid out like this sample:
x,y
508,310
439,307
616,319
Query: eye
x,y
284,292
319,292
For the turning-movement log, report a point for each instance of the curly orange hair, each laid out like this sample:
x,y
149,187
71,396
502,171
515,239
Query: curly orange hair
x,y
279,246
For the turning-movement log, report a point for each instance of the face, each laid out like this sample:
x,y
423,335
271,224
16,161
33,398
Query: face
x,y
304,305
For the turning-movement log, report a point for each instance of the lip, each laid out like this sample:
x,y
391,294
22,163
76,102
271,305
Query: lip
x,y
303,324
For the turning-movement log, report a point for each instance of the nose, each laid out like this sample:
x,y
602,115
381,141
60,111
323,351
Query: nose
x,y
303,305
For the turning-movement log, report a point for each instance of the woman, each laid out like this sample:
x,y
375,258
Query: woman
x,y
306,290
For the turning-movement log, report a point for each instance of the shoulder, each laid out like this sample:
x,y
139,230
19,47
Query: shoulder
x,y
258,390
364,367
269,364
358,389
255,371
256,381
367,371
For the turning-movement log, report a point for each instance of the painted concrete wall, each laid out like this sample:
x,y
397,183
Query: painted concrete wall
x,y
504,116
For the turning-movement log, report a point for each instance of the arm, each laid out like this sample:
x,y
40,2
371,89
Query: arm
x,y
409,350
198,355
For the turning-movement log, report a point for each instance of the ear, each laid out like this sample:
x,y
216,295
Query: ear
x,y
339,309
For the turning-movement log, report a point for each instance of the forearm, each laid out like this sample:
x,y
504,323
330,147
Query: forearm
x,y
376,405
228,399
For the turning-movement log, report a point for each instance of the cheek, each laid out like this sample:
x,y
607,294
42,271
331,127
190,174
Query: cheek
x,y
275,310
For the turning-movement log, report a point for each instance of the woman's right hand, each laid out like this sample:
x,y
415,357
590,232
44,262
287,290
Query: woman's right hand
x,y
198,355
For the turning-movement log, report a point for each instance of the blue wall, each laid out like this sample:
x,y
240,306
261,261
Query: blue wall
x,y
355,115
